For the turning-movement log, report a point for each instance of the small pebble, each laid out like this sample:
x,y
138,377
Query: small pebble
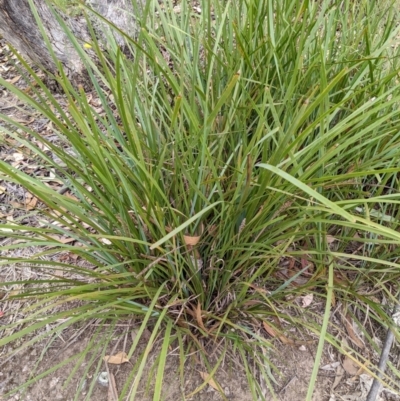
x,y
103,379
53,382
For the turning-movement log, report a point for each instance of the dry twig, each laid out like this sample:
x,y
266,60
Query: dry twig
x,y
376,384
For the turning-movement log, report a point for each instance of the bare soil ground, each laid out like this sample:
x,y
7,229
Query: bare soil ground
x,y
337,378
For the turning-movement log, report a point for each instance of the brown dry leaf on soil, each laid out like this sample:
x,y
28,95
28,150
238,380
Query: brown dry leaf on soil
x,y
307,300
18,157
273,333
14,80
206,377
351,366
16,205
199,317
191,240
330,239
117,359
61,239
30,201
350,331
298,275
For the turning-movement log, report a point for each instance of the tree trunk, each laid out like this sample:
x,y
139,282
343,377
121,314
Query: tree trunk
x,y
18,27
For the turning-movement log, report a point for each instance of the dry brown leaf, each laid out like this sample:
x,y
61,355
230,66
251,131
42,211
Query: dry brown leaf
x,y
14,80
30,203
350,366
206,377
330,239
362,369
116,359
70,196
192,241
17,205
199,317
258,289
307,300
350,331
63,240
272,332
286,341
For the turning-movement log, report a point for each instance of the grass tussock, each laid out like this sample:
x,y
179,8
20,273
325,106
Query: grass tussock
x,y
228,142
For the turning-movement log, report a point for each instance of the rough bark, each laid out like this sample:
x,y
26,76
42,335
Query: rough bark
x,y
18,26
